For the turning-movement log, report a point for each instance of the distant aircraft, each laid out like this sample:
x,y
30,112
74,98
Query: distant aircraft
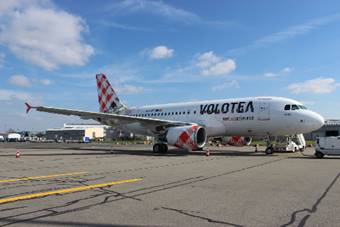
x,y
187,125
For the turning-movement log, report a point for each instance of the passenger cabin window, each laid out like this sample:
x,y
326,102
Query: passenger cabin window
x,y
287,107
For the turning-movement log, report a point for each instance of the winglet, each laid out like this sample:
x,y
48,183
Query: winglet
x,y
28,107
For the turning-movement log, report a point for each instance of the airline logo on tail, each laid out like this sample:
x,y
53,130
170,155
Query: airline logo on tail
x,y
107,98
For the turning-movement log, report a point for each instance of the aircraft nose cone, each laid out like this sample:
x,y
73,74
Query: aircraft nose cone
x,y
317,121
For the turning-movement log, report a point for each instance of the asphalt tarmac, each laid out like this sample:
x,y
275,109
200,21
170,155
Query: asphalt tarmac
x,y
105,185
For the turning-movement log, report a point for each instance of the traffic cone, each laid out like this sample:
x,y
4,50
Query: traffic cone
x,y
207,152
17,154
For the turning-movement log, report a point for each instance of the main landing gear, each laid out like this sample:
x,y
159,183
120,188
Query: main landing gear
x,y
160,148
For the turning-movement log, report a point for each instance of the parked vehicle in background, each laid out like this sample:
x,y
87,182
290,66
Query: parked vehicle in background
x,y
327,146
284,143
290,143
2,139
14,137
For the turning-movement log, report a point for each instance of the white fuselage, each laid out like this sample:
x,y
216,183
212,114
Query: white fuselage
x,y
253,116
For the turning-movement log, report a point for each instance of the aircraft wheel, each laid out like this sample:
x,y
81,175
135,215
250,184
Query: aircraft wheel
x,y
157,147
269,150
318,154
160,148
164,148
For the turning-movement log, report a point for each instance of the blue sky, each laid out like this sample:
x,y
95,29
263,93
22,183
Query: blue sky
x,y
165,51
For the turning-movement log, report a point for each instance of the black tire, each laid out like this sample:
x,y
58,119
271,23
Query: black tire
x,y
319,154
164,148
160,148
157,148
269,150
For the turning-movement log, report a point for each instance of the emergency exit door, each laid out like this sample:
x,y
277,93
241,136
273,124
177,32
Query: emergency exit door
x,y
263,111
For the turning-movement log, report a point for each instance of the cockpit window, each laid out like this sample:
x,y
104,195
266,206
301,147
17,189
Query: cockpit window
x,y
295,107
302,107
287,107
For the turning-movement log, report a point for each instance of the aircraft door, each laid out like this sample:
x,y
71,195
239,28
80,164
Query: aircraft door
x,y
263,111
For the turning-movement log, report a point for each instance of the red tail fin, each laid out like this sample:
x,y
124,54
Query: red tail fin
x,y
107,98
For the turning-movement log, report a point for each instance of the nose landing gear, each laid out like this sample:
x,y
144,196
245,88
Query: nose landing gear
x,y
270,147
269,150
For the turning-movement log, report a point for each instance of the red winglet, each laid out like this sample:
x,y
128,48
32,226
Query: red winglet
x,y
28,107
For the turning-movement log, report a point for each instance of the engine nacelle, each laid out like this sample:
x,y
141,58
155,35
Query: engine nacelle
x,y
237,140
191,137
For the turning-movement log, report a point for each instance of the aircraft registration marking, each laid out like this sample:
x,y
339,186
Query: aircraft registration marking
x,y
67,190
42,177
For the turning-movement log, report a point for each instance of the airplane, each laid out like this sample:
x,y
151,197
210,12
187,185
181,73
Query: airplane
x,y
188,125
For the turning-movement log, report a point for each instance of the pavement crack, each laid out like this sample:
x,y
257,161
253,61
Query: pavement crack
x,y
314,207
200,217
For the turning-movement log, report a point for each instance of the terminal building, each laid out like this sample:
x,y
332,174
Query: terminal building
x,y
77,132
330,128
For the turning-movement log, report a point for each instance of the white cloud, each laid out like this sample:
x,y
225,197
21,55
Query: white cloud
x,y
207,59
158,8
9,95
2,59
288,33
23,81
116,25
221,68
164,10
46,82
318,86
161,52
212,65
129,89
282,72
43,35
228,84
20,81
287,70
270,74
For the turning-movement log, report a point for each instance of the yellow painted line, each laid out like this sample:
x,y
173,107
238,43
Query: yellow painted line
x,y
42,177
67,190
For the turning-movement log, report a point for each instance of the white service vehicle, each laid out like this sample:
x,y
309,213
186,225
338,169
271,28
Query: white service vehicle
x,y
285,143
2,139
327,146
188,125
14,137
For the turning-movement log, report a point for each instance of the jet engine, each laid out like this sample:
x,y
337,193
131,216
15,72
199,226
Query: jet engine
x,y
237,140
191,137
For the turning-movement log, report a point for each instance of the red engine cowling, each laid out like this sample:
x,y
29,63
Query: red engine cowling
x,y
237,140
191,137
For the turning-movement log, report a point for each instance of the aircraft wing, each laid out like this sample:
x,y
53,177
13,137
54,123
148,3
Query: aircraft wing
x,y
154,125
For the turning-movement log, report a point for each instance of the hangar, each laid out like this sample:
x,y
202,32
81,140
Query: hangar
x,y
330,128
77,132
